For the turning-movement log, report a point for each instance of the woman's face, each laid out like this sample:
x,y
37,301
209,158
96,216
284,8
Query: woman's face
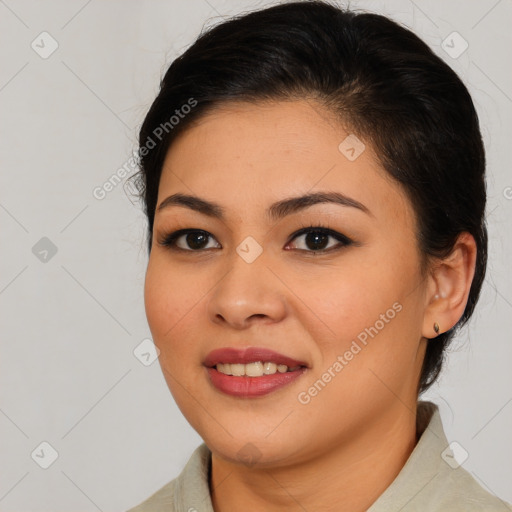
x,y
346,306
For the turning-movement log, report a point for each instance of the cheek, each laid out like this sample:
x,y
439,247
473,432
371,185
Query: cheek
x,y
374,302
172,300
157,296
370,359
170,297
349,298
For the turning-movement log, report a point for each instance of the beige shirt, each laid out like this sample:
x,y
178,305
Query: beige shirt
x,y
430,481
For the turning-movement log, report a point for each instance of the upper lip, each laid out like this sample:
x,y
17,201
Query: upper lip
x,y
249,355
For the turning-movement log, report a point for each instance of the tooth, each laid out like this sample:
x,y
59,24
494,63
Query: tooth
x,y
269,368
254,369
224,368
238,369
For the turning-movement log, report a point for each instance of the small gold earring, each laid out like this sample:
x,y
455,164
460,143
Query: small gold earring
x,y
436,327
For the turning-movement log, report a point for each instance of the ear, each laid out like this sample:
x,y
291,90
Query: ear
x,y
448,288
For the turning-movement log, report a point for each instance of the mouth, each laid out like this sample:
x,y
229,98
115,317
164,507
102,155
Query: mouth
x,y
251,372
254,369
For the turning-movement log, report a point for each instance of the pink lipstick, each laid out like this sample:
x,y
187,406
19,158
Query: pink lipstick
x,y
251,372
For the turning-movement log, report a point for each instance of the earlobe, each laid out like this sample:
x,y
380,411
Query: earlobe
x,y
450,283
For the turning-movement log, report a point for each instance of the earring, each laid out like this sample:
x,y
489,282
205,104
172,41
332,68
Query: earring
x,y
436,327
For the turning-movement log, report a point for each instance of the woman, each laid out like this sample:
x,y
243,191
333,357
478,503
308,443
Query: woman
x,y
314,186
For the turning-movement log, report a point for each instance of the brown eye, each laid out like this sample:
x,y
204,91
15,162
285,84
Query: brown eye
x,y
316,239
187,240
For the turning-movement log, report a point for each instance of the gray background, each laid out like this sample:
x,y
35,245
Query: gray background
x,y
71,320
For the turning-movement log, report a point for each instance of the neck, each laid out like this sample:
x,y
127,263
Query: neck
x,y
348,477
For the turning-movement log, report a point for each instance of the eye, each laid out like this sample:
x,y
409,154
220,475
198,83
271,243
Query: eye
x,y
316,239
196,240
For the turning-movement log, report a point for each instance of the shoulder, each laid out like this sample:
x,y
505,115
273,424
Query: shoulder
x,y
457,489
432,480
189,491
161,500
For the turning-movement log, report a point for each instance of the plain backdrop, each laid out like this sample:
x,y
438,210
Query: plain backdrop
x,y
76,79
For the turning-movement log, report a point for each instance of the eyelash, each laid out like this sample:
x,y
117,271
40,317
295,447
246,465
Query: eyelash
x,y
169,240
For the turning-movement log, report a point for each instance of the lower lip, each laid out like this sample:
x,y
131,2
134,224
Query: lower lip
x,y
249,387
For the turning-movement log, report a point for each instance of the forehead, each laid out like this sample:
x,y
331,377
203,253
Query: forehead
x,y
295,131
245,155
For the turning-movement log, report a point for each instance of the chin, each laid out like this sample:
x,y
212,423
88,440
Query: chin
x,y
250,454
258,450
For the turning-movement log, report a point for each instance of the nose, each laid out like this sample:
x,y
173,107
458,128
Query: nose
x,y
248,293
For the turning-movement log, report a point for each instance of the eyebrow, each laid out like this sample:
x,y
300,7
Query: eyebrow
x,y
275,212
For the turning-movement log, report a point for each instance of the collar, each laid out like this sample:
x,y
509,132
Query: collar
x,y
424,465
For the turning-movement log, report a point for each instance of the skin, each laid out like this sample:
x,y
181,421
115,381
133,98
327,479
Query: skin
x,y
304,305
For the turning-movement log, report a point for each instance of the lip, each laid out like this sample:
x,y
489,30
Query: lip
x,y
250,387
249,355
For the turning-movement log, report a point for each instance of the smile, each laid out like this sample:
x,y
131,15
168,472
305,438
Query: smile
x,y
251,372
256,369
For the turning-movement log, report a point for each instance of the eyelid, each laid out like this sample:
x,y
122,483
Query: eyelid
x,y
322,229
169,240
